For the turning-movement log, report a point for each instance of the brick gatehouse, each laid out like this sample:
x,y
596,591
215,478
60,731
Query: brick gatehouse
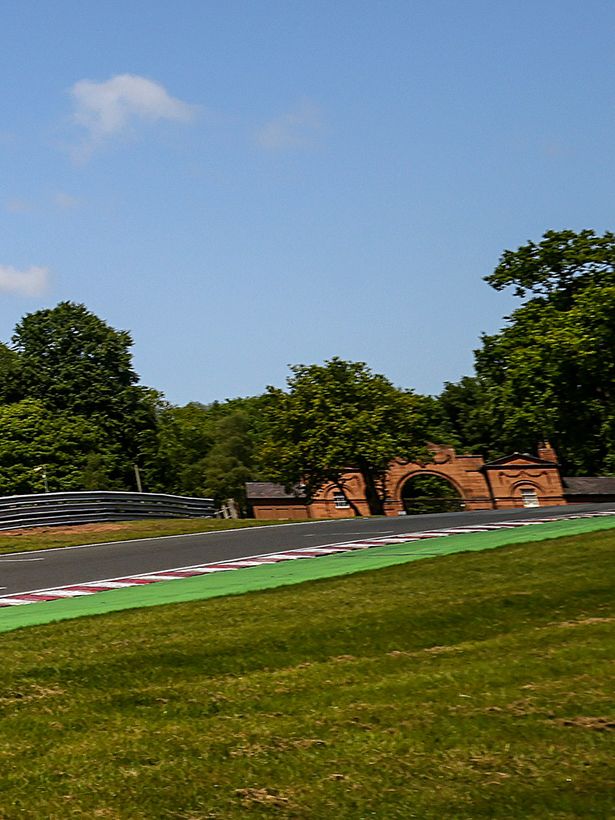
x,y
517,480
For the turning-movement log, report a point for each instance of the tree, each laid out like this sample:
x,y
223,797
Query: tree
x,y
210,450
74,362
338,416
186,435
230,462
95,473
550,373
464,407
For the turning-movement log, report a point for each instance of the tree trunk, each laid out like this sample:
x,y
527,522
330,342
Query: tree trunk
x,y
372,496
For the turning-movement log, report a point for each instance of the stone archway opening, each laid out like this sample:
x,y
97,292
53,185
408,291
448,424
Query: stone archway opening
x,y
429,493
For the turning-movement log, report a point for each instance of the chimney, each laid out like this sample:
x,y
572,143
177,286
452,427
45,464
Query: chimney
x,y
546,452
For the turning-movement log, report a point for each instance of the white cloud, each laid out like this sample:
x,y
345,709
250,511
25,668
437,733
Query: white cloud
x,y
295,129
30,282
109,109
65,201
17,206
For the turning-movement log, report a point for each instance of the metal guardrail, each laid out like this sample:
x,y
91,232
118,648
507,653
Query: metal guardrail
x,y
53,509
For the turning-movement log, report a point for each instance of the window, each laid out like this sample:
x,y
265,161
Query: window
x,y
529,497
340,501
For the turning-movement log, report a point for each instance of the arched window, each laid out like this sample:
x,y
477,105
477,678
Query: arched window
x,y
341,502
529,496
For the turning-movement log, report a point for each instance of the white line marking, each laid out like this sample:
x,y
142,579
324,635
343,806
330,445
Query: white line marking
x,y
353,532
4,560
93,584
154,576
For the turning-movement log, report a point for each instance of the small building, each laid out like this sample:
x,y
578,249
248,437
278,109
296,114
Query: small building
x,y
468,481
269,500
589,489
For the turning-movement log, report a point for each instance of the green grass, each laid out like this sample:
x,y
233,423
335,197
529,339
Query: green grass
x,y
473,685
50,537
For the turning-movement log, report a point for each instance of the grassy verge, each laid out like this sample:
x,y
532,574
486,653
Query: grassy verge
x,y
474,685
47,537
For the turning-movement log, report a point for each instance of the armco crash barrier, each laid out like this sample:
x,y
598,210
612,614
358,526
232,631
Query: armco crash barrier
x,y
52,509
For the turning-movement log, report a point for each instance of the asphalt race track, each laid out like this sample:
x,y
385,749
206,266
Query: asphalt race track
x,y
26,571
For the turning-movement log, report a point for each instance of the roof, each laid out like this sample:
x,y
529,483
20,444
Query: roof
x,y
268,489
589,485
524,458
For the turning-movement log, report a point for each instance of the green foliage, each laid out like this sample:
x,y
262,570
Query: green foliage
x,y
229,463
209,450
185,436
31,436
340,415
138,437
10,375
559,266
72,360
95,474
464,407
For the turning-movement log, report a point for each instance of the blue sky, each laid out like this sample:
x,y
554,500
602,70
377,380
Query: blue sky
x,y
245,185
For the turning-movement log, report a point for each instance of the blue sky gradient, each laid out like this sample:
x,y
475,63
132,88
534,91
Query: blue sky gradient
x,y
283,182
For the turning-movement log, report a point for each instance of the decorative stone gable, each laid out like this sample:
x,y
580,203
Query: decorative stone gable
x,y
521,479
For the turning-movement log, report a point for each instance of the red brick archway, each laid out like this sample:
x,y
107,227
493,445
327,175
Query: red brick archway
x,y
482,485
463,472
